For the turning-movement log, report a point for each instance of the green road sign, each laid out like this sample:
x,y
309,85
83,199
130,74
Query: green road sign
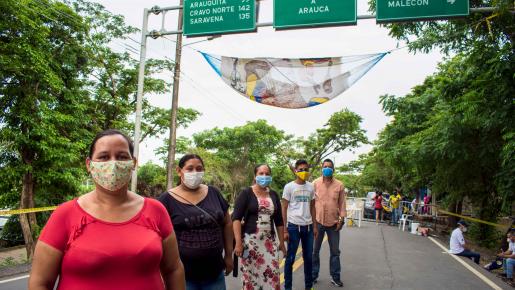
x,y
399,10
204,17
294,13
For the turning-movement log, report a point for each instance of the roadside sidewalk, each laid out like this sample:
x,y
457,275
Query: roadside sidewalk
x,y
13,261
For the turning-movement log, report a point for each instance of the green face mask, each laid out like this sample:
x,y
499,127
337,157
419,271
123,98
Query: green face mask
x,y
111,175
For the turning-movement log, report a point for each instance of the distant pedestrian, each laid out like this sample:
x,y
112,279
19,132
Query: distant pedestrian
x,y
395,202
330,211
378,206
261,236
509,259
204,228
109,238
298,209
458,246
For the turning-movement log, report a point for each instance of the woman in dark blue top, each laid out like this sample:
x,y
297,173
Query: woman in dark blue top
x,y
202,225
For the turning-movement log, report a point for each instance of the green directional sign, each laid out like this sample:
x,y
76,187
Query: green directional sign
x,y
294,13
400,10
204,17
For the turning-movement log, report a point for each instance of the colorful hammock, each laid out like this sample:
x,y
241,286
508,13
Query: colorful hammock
x,y
291,82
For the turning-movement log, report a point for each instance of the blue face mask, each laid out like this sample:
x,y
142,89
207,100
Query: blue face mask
x,y
263,180
327,171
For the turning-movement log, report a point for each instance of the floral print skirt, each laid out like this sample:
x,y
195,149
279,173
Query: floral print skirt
x,y
261,268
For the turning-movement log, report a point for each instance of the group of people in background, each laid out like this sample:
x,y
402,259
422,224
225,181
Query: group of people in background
x,y
112,238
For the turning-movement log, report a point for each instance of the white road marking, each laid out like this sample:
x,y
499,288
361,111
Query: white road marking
x,y
481,276
14,279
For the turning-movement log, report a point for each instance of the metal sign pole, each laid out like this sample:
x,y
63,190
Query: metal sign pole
x,y
139,96
175,98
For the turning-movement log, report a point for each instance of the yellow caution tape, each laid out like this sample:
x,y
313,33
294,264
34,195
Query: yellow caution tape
x,y
27,210
472,219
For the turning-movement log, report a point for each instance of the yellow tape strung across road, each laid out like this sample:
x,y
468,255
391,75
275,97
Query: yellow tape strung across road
x,y
472,219
27,210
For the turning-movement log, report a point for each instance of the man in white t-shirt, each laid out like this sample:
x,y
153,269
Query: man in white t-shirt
x,y
509,259
298,209
458,246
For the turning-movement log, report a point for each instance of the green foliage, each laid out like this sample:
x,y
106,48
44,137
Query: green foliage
x,y
151,179
341,132
455,131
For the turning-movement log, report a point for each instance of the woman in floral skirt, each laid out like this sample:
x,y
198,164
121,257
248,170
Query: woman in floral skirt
x,y
258,223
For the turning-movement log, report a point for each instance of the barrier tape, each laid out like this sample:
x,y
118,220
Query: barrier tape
x,y
27,210
472,219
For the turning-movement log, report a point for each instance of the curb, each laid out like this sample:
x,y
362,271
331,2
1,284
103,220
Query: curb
x,y
14,270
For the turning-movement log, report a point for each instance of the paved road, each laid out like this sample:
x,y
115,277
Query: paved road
x,y
382,257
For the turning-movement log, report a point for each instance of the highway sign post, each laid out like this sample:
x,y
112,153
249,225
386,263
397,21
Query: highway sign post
x,y
207,17
401,10
298,13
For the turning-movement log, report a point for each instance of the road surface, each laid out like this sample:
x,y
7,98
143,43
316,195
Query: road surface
x,y
382,257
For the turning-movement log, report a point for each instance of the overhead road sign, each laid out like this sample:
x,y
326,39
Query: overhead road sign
x,y
207,17
310,13
402,10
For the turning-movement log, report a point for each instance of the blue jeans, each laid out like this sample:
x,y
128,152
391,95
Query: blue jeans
x,y
333,238
298,234
396,215
470,254
508,265
217,284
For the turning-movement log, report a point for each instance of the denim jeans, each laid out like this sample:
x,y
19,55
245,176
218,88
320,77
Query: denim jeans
x,y
470,254
217,284
508,265
303,234
333,238
394,216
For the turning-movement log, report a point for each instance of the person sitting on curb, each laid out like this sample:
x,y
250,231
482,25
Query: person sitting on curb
x,y
458,246
509,259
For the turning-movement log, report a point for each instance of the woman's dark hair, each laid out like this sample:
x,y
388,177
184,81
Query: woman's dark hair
x,y
110,132
187,157
300,162
259,165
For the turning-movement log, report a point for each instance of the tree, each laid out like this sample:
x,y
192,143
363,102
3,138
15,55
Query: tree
x,y
242,148
43,118
60,83
151,179
341,132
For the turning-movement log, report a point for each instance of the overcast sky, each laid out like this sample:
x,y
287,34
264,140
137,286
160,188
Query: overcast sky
x,y
221,106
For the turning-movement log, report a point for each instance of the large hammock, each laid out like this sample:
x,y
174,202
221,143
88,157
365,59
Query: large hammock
x,y
292,82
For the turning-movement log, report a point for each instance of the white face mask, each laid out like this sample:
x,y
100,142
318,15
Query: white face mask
x,y
463,229
192,180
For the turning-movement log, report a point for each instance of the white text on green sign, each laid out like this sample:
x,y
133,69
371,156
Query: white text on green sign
x,y
202,17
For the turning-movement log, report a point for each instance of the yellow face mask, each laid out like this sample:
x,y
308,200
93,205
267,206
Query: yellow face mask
x,y
304,175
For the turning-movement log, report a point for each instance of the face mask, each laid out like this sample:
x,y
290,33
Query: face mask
x,y
192,180
263,180
111,175
302,175
327,171
464,230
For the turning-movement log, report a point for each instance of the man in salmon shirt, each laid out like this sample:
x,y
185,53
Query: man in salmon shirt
x,y
330,216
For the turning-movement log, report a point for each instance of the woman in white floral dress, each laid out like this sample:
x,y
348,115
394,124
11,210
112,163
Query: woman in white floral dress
x,y
256,239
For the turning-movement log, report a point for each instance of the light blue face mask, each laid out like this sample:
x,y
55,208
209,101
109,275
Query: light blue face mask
x,y
263,180
327,171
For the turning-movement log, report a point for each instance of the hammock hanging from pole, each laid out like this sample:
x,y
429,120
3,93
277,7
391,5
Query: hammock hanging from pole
x,y
292,82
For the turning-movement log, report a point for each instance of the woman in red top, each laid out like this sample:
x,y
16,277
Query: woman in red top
x,y
378,206
110,238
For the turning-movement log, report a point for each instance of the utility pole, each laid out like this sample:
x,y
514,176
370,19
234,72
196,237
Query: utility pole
x,y
139,96
173,118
